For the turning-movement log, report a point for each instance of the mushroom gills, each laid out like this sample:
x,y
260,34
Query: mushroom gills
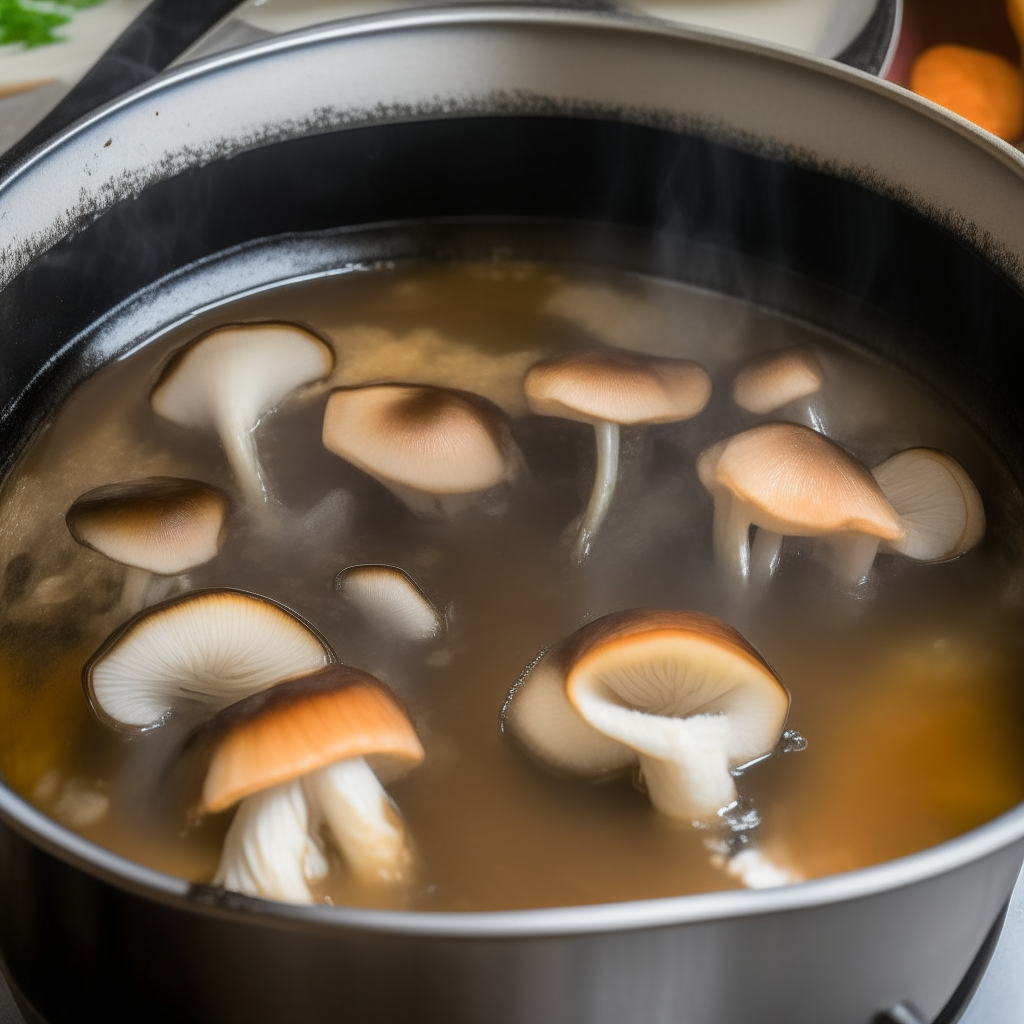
x,y
268,850
210,647
362,820
941,510
390,601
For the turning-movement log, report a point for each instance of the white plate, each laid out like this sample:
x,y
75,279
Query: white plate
x,y
822,27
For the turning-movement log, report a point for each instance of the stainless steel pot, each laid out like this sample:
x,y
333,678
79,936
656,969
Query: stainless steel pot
x,y
798,183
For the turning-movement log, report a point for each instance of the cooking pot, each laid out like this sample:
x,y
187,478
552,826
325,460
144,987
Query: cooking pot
x,y
555,134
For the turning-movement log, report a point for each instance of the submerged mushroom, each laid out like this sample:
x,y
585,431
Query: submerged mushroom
x,y
434,448
390,601
230,378
211,647
937,501
308,751
682,693
159,525
779,379
608,388
790,481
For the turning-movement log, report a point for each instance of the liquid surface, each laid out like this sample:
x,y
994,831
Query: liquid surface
x,y
906,690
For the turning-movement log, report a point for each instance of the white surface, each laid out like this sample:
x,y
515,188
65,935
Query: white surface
x,y
85,37
823,27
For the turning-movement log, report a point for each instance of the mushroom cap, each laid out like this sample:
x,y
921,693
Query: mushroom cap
x,y
304,724
162,524
212,646
389,598
942,512
594,700
798,483
612,386
418,436
776,379
233,375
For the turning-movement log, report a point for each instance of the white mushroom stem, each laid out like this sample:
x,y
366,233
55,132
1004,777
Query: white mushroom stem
x,y
364,822
607,436
731,534
134,588
268,851
852,556
765,552
236,435
685,761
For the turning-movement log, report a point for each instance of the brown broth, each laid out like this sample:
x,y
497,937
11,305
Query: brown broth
x,y
907,692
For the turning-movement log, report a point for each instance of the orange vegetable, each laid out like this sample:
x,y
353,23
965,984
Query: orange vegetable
x,y
980,86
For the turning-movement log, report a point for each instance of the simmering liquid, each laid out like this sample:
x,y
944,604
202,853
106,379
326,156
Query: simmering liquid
x,y
906,689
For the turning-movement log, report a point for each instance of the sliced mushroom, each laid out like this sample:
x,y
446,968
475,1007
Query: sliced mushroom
x,y
390,601
230,378
608,388
940,507
434,448
791,481
211,647
158,525
779,379
325,729
681,692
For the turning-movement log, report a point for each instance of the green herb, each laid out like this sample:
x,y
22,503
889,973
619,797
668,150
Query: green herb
x,y
33,26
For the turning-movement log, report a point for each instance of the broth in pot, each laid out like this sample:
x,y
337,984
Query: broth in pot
x,y
366,586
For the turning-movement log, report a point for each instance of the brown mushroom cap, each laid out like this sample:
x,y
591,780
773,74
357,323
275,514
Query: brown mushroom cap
x,y
797,482
429,439
304,724
776,379
161,524
608,385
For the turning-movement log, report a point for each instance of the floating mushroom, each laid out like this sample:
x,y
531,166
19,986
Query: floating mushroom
x,y
211,647
778,379
434,448
390,601
608,388
789,480
158,525
681,692
937,501
295,755
230,378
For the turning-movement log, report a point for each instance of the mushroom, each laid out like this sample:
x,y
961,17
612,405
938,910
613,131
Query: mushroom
x,y
390,601
301,753
682,693
434,448
228,379
937,501
158,525
789,480
211,647
607,388
777,379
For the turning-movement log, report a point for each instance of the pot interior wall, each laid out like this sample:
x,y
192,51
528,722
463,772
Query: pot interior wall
x,y
883,275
